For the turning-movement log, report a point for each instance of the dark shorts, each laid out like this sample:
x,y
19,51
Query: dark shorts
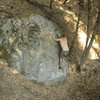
x,y
64,54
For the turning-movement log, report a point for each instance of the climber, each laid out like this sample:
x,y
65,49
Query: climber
x,y
64,46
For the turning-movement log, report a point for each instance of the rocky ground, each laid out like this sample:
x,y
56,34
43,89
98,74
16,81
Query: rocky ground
x,y
14,86
77,86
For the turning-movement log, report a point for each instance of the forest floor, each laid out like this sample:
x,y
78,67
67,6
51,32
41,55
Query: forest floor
x,y
76,86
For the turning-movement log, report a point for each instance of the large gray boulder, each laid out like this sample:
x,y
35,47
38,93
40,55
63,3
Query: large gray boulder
x,y
30,50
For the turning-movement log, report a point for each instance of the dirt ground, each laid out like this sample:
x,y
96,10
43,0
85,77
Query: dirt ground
x,y
77,86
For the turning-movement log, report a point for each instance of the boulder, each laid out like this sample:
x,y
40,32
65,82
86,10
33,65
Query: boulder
x,y
27,46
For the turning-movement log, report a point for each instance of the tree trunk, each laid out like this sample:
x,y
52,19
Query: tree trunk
x,y
88,35
51,2
90,44
88,22
65,1
77,26
37,4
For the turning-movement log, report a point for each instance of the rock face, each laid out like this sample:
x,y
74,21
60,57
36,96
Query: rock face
x,y
27,45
